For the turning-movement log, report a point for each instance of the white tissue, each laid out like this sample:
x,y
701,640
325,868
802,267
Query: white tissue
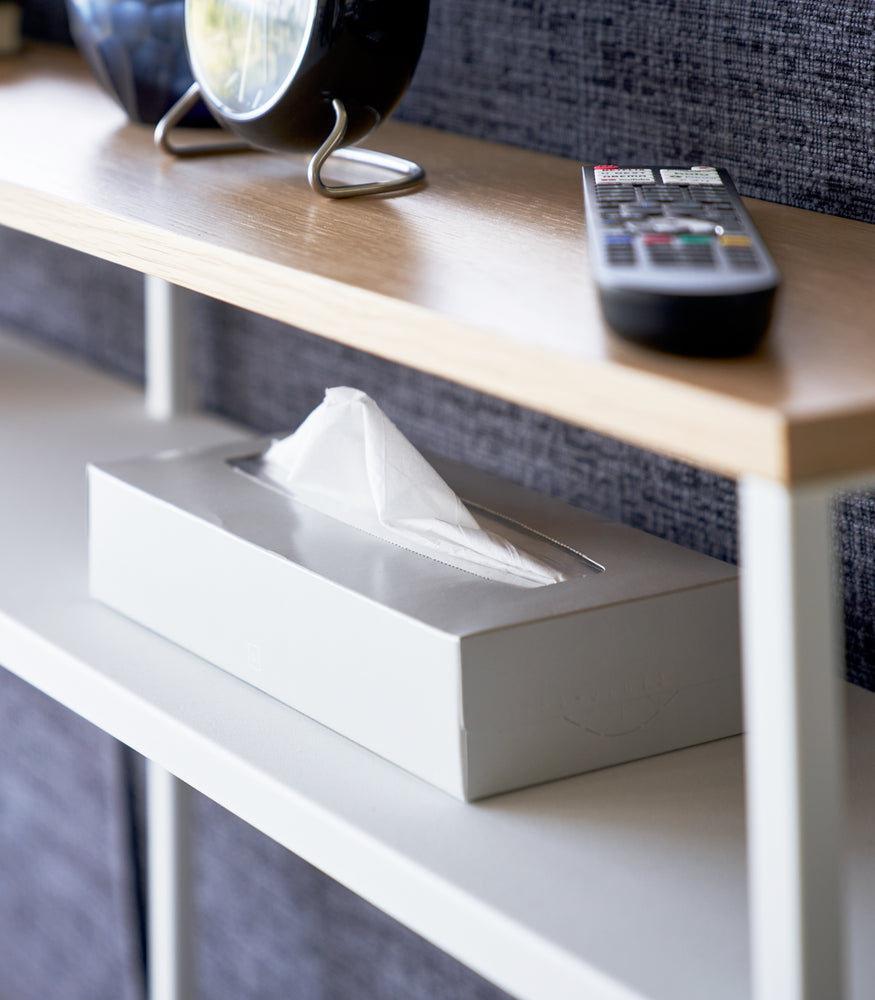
x,y
348,460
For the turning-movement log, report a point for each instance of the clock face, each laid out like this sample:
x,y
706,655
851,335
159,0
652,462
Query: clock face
x,y
245,52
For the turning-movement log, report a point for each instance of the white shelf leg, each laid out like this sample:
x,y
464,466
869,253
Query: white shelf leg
x,y
170,953
794,708
170,900
169,388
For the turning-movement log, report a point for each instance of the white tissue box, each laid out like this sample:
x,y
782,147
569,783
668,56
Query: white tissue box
x,y
476,686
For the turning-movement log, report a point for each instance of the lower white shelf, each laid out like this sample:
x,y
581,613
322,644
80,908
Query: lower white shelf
x,y
625,883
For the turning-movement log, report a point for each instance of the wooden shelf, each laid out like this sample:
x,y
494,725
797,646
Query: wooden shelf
x,y
621,884
481,278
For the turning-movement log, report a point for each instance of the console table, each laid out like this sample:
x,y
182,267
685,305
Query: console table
x,y
626,883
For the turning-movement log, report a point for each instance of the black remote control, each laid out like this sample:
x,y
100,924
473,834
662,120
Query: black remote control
x,y
676,259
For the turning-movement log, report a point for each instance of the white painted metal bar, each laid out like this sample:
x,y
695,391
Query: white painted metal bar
x,y
169,387
795,740
170,973
170,909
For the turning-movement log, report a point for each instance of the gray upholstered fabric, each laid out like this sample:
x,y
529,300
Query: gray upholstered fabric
x,y
68,927
779,91
855,517
272,927
73,301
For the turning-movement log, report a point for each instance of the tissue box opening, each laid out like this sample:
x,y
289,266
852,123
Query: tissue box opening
x,y
476,686
347,459
565,560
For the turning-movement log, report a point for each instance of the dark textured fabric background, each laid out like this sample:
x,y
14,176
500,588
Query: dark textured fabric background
x,y
780,92
305,937
68,923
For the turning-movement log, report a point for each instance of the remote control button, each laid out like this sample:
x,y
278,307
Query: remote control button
x,y
668,259
623,175
661,193
671,226
610,206
621,256
619,249
701,257
638,211
687,211
620,253
615,193
721,215
740,259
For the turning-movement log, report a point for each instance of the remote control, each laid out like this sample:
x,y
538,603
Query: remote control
x,y
676,259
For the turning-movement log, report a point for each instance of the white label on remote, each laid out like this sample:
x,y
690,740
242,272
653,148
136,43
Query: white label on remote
x,y
621,175
695,175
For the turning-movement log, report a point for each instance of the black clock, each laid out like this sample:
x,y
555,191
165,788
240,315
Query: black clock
x,y
303,76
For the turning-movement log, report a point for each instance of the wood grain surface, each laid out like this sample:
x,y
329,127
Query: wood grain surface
x,y
480,277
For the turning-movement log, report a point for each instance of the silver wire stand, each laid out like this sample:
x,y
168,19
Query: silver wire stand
x,y
407,173
175,115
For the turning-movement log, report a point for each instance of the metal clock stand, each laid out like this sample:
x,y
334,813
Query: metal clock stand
x,y
409,173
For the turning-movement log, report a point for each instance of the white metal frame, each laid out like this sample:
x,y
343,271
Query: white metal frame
x,y
794,722
170,915
169,387
793,718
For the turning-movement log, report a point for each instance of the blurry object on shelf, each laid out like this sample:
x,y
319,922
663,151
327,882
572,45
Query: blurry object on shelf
x,y
136,49
10,27
303,76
